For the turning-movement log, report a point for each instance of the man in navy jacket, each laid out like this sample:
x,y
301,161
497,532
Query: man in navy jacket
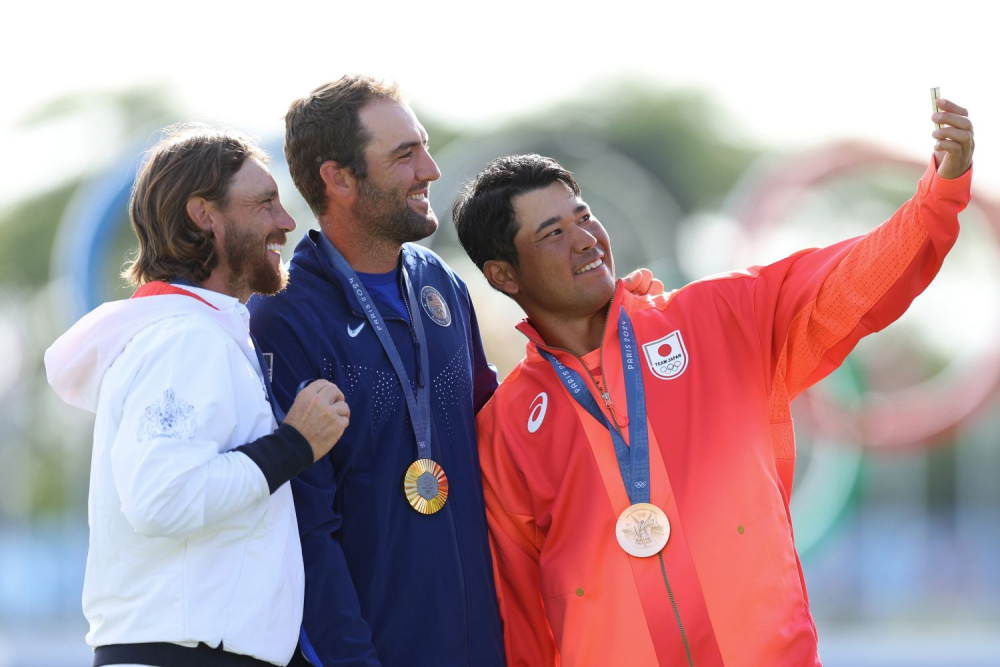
x,y
392,325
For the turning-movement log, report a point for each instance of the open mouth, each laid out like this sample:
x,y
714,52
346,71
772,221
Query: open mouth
x,y
274,247
419,196
590,267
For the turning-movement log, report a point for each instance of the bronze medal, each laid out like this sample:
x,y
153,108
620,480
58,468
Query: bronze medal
x,y
642,530
425,486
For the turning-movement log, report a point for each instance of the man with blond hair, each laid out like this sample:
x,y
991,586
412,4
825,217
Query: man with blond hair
x,y
194,555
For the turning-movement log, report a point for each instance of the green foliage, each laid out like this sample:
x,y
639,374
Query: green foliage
x,y
136,108
677,135
27,233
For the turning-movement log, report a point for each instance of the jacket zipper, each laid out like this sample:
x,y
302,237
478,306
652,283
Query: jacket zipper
x,y
677,613
606,395
447,506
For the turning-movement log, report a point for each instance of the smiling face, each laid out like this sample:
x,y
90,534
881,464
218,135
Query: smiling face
x,y
392,200
253,230
565,268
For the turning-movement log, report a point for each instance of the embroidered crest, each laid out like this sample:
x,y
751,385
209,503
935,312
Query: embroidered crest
x,y
667,357
169,417
435,306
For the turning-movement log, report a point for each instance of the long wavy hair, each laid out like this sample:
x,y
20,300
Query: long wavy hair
x,y
192,160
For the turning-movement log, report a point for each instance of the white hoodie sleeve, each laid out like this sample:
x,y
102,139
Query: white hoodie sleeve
x,y
186,388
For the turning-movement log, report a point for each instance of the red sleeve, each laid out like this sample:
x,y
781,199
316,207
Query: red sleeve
x,y
812,308
528,640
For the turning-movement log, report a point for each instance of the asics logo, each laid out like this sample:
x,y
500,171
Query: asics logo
x,y
354,332
537,413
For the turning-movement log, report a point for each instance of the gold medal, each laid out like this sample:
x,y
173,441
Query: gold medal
x,y
642,530
425,486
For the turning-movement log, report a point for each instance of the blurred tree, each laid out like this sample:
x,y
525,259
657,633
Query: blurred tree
x,y
27,232
28,228
678,135
134,108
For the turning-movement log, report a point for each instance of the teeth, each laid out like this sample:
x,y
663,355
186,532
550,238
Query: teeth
x,y
593,265
274,247
418,197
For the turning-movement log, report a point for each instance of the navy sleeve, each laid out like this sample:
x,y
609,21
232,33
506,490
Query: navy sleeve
x,y
484,375
333,630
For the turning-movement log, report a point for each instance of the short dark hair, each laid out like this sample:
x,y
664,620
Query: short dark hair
x,y
325,125
484,214
192,160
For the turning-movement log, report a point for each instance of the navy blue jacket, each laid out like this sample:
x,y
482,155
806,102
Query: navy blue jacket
x,y
385,584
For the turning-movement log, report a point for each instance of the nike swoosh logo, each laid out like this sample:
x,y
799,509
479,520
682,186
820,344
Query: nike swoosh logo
x,y
354,332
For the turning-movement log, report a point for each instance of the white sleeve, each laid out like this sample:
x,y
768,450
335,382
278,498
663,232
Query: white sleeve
x,y
170,468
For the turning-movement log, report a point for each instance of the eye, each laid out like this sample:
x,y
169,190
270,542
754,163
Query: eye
x,y
407,154
554,232
586,218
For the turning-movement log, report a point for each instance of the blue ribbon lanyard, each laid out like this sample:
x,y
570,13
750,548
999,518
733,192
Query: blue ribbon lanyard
x,y
633,462
418,405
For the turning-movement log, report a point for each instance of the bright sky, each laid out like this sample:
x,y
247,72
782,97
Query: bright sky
x,y
788,73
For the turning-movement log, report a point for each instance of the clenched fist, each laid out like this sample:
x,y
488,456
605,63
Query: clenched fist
x,y
320,414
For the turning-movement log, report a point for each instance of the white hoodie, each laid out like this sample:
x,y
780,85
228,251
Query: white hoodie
x,y
186,543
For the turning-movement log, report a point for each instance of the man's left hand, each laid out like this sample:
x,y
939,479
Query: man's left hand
x,y
955,143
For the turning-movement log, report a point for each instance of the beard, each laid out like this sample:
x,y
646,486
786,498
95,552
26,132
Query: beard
x,y
248,260
385,214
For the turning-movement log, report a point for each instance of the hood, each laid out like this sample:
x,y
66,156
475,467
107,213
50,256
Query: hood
x,y
76,363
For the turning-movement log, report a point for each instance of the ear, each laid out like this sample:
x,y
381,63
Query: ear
x,y
502,275
339,181
198,211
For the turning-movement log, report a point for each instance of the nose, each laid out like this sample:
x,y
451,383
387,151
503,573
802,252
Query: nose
x,y
285,221
427,169
583,240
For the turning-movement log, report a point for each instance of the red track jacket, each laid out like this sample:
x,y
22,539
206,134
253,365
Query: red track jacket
x,y
721,359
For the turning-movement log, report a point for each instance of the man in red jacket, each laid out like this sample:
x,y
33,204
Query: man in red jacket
x,y
637,463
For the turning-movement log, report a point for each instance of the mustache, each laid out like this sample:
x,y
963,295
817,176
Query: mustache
x,y
277,237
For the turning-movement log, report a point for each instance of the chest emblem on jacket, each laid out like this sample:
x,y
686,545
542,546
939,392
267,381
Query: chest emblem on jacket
x,y
537,411
667,357
435,306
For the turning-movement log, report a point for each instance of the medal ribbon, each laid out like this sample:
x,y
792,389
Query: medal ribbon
x,y
633,462
417,404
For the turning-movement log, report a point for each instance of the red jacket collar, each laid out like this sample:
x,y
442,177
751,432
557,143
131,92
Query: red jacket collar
x,y
159,287
621,298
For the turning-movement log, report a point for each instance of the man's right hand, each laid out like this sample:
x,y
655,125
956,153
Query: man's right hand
x,y
320,414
